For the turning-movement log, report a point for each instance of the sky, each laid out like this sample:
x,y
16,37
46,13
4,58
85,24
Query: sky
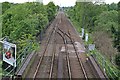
x,y
57,2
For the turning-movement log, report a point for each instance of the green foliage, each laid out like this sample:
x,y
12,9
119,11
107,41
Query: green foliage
x,y
117,40
85,13
112,6
0,25
109,20
117,59
5,6
22,22
94,17
118,29
51,10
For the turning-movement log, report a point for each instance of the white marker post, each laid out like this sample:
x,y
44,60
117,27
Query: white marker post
x,y
82,32
86,37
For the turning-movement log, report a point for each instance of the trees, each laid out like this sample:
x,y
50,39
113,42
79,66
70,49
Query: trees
x,y
112,6
85,13
22,22
97,17
51,10
118,34
117,59
109,20
5,6
117,38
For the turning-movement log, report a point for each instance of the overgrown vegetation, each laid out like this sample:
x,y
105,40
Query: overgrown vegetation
x,y
51,10
21,22
98,17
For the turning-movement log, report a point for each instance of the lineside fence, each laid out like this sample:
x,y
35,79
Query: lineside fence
x,y
110,69
20,60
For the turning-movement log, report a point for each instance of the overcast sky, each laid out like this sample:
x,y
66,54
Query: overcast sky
x,y
57,2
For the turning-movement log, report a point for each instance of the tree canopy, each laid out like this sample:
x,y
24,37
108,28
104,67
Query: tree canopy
x,y
21,22
51,10
97,17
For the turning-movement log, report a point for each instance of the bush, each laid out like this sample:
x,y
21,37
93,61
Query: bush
x,y
117,59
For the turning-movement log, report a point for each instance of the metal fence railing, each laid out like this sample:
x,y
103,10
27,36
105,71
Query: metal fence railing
x,y
110,69
20,59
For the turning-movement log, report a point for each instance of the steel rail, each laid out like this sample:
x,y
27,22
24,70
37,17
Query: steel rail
x,y
79,59
53,55
41,59
67,55
64,33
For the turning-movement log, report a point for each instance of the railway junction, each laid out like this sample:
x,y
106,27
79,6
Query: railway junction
x,y
62,54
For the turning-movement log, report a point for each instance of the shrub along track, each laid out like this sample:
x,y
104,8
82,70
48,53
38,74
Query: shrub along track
x,y
62,53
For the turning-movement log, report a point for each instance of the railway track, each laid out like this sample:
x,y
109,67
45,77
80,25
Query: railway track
x,y
53,56
42,59
67,54
79,59
65,36
51,40
53,62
